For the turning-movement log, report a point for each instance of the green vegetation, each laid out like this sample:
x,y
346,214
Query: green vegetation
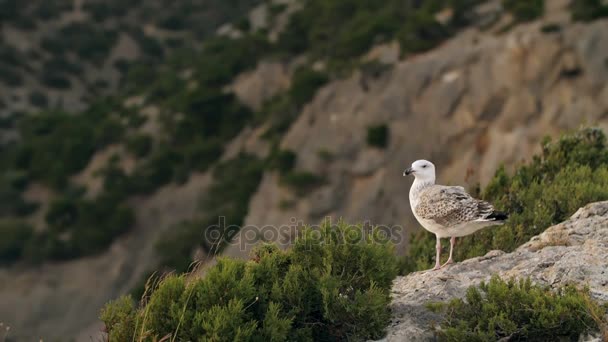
x,y
38,99
79,227
301,181
281,110
588,10
343,29
140,145
15,235
224,208
284,161
377,136
525,10
305,84
10,76
570,173
518,310
329,286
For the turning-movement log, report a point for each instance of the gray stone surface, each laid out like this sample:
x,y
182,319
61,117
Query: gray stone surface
x,y
575,251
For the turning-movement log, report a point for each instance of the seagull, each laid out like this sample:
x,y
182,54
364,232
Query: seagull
x,y
447,211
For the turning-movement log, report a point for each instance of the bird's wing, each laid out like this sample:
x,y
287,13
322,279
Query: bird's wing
x,y
451,205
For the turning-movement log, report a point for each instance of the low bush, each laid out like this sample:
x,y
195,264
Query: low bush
x,y
519,311
588,10
224,207
377,136
55,80
47,10
10,76
305,83
79,227
569,173
301,181
139,145
38,99
525,10
327,287
15,235
283,161
56,144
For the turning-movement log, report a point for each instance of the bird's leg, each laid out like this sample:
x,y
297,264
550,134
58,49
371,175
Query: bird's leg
x,y
438,255
452,243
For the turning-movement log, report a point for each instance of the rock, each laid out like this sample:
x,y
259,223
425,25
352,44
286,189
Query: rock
x,y
574,251
254,87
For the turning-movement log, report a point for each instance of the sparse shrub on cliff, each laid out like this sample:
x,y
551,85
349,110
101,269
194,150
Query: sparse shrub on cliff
x,y
518,310
588,10
321,289
139,145
14,235
525,10
377,136
569,173
283,160
301,181
225,205
305,84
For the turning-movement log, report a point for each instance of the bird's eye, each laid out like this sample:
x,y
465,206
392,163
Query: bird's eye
x,y
424,166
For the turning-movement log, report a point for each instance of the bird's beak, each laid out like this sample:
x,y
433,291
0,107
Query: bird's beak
x,y
408,172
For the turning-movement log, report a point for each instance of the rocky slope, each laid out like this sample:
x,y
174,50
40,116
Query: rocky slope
x,y
480,100
574,251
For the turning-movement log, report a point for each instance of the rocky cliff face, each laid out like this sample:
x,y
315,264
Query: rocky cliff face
x,y
574,251
480,100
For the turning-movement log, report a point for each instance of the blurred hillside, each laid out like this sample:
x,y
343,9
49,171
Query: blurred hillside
x,y
129,127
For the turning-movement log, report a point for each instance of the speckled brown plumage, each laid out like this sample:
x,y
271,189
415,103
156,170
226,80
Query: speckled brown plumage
x,y
450,205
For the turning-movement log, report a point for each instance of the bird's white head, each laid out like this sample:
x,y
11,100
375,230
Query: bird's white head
x,y
423,170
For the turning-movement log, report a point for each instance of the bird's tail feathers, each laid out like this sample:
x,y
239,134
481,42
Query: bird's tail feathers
x,y
497,216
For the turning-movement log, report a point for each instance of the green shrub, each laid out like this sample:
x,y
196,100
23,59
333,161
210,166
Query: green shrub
x,y
377,136
139,145
284,161
301,181
305,84
47,10
38,99
243,24
10,76
56,144
344,29
234,182
550,28
520,311
324,288
80,227
588,10
55,80
525,10
14,235
421,32
172,22
12,183
569,173
102,10
118,315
